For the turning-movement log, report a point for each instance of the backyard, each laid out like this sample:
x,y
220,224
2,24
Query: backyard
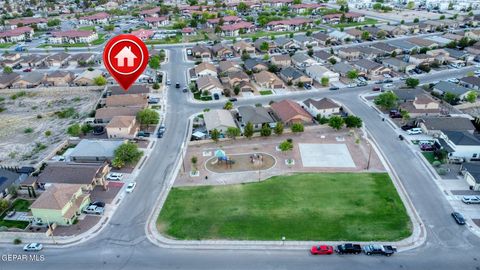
x,y
303,206
18,205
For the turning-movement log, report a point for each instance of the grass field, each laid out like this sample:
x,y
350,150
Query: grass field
x,y
20,206
5,45
265,92
327,206
87,28
368,21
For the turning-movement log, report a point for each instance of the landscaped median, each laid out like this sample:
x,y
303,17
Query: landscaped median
x,y
303,206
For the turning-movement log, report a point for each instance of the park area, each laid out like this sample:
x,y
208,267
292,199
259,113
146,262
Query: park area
x,y
300,206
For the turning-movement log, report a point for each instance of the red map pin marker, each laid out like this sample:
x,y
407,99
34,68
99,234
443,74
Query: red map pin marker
x,y
125,57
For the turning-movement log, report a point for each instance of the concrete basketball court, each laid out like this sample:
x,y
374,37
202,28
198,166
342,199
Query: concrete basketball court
x,y
325,155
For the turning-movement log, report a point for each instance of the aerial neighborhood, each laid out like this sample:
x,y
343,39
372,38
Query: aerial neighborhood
x,y
339,127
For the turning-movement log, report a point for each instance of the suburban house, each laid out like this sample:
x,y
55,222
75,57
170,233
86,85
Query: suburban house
x,y
234,30
318,72
87,77
243,46
220,120
128,100
342,68
371,68
94,151
98,18
81,59
255,65
324,57
447,87
152,12
403,45
301,60
225,67
470,82
471,174
421,59
258,116
349,53
398,65
106,114
227,20
356,33
29,80
60,204
124,127
57,59
7,80
73,36
157,21
210,84
293,24
421,105
281,61
268,80
220,50
461,144
204,69
136,89
59,78
290,112
294,76
16,35
7,179
436,125
305,41
38,22
322,38
271,45
201,51
324,107
143,34
386,48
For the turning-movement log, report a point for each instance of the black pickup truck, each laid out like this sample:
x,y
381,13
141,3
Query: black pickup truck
x,y
379,250
348,249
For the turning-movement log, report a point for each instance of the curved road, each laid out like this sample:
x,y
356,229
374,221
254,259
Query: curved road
x,y
122,244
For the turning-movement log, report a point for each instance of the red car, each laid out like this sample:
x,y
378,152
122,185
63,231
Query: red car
x,y
321,250
27,70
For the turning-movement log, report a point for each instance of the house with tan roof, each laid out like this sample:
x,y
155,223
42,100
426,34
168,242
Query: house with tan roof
x,y
324,107
7,80
220,120
268,80
227,66
59,78
291,112
60,204
283,60
243,46
87,77
124,127
422,105
129,100
105,115
210,84
205,69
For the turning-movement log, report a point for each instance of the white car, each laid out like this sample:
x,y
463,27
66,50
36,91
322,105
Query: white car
x,y
414,131
131,186
388,86
471,199
33,247
169,82
352,85
454,80
115,176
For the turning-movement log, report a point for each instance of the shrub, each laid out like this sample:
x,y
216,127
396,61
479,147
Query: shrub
x,y
436,163
442,171
17,241
28,130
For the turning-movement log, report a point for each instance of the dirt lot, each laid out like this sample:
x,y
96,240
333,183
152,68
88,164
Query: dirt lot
x,y
34,122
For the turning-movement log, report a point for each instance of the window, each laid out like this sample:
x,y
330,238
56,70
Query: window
x,y
474,155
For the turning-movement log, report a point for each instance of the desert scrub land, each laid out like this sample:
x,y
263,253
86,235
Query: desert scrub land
x,y
34,121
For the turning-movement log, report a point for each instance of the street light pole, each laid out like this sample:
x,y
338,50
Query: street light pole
x,y
369,156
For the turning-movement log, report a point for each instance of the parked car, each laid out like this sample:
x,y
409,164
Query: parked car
x,y
321,250
352,85
362,84
379,250
388,81
169,82
233,99
414,131
458,218
307,86
395,114
455,160
27,70
376,88
333,88
471,199
185,90
114,176
426,147
93,209
177,85
131,186
153,100
349,248
33,247
143,134
407,127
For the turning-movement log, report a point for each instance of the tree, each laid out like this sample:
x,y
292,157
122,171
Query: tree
x,y
321,119
450,97
156,86
405,116
194,161
416,20
365,35
325,81
381,34
154,62
387,100
394,54
471,97
53,22
352,74
109,28
242,7
215,134
236,90
285,146
100,80
442,17
266,130
7,70
74,130
278,130
233,132
86,128
126,153
3,205
248,130
228,105
148,117
377,6
353,121
332,61
412,82
336,122
297,128
264,46
411,5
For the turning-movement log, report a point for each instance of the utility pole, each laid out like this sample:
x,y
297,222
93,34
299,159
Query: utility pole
x,y
369,156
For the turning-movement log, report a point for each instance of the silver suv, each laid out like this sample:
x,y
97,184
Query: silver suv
x,y
93,209
471,199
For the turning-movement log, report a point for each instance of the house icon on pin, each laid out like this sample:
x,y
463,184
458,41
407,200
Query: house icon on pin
x,y
125,53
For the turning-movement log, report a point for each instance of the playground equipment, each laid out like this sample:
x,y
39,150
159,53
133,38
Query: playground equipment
x,y
256,160
222,158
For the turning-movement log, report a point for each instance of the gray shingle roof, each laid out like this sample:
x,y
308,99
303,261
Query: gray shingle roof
x,y
461,137
451,88
255,115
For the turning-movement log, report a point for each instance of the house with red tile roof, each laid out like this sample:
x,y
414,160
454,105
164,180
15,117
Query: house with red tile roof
x,y
98,18
28,21
291,112
233,30
17,34
73,36
153,12
289,25
157,21
349,16
143,34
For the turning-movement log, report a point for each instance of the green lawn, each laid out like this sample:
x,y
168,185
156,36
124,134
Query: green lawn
x,y
327,206
20,206
430,156
6,45
198,96
368,21
265,92
87,28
